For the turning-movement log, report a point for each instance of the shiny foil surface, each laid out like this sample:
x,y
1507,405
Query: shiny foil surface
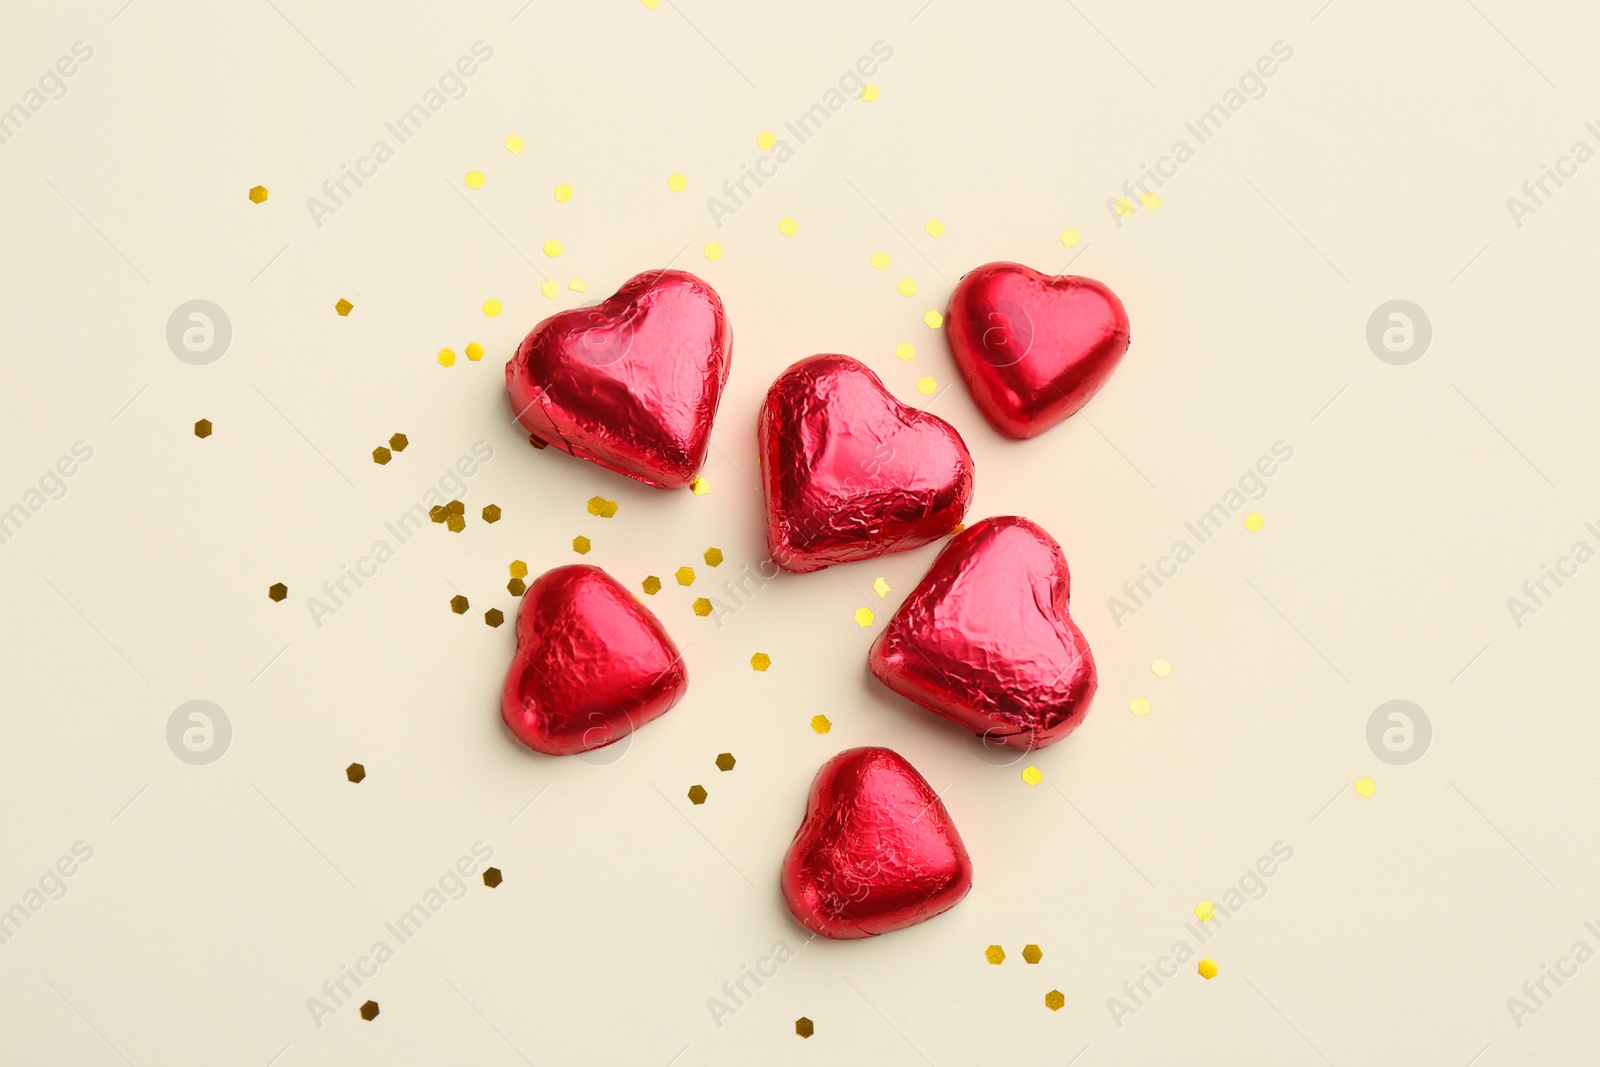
x,y
631,384
986,641
876,851
849,472
592,664
1033,348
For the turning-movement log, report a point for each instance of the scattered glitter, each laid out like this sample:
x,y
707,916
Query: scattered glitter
x,y
651,4
550,288
702,607
552,248
369,1010
343,307
934,228
788,227
355,772
869,93
563,193
1150,201
880,260
651,585
760,661
685,575
995,955
277,591
820,724
697,794
1254,522
491,513
447,358
765,140
1054,1000
1365,787
1208,968
906,351
516,587
455,523
514,145
700,486
492,877
864,617
1124,207
926,385
725,761
536,443
804,1027
1032,954
399,442
474,351
491,307
1139,706
202,428
1070,238
258,194
1160,668
494,616
380,455
475,179
713,557
933,320
880,587
518,569
958,528
677,183
458,604
581,545
713,251
578,285
438,514
906,287
1032,775
1205,911
600,506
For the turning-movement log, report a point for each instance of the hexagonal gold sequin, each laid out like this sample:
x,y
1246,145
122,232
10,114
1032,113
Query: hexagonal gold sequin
x,y
491,513
277,590
438,513
458,604
713,557
1032,953
369,1010
725,761
258,194
820,724
602,508
516,587
581,545
492,877
494,616
455,523
519,569
202,428
651,585
702,607
804,1027
995,954
697,794
355,772
1054,1000
343,307
685,575
381,455
760,661
399,442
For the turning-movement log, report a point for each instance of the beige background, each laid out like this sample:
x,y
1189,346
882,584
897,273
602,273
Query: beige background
x,y
1376,166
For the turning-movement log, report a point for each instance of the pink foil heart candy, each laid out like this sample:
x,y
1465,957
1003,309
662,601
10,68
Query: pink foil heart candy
x,y
592,664
876,850
985,639
851,473
631,384
1033,348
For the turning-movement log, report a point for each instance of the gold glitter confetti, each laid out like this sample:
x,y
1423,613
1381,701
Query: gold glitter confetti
x,y
1124,208
458,604
258,194
760,661
713,557
1254,522
536,443
516,587
995,955
880,587
1205,911
491,307
550,288
380,455
1150,201
552,248
438,513
1031,954
474,351
820,724
651,585
702,607
475,179
957,528
926,385
697,794
202,429
880,260
788,227
600,506
355,772
491,513
1139,706
399,442
863,617
700,486
651,4
514,145
765,140
578,285
713,251
1070,238
906,351
725,761
1032,775
492,877
518,569
869,93
1160,668
677,183
934,228
494,616
1207,968
1365,787
563,193
277,591
906,287
933,320
804,1027
369,1010
581,545
343,307
447,358
455,523
1054,1000
685,575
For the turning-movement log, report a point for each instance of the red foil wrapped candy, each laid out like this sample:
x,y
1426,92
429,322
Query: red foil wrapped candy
x,y
985,639
876,851
851,473
1033,348
631,384
592,664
